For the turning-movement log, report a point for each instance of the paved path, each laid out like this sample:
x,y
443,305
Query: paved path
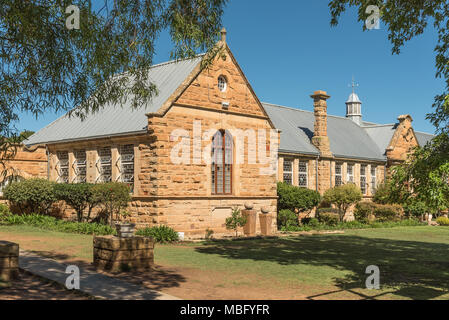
x,y
91,282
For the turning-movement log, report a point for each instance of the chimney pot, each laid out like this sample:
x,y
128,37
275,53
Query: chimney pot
x,y
223,35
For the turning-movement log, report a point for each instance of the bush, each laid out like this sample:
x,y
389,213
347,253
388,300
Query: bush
x,y
296,198
112,196
364,211
54,224
287,218
4,210
329,217
32,195
78,196
443,221
342,197
386,212
415,208
382,194
235,221
160,234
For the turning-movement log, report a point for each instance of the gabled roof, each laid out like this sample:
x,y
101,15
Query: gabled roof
x,y
118,120
423,138
381,134
347,139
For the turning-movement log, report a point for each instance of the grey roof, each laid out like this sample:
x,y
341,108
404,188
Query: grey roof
x,y
423,138
118,120
347,139
381,134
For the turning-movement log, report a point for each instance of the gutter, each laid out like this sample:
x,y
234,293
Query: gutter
x,y
141,132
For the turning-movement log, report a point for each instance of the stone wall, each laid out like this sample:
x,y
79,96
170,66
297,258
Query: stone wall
x,y
27,163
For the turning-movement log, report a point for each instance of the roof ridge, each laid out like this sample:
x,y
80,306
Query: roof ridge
x,y
296,109
378,125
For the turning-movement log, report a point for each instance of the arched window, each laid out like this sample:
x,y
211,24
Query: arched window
x,y
222,156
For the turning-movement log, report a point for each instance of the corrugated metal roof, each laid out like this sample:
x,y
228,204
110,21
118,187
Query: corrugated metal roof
x,y
347,139
381,135
118,120
423,138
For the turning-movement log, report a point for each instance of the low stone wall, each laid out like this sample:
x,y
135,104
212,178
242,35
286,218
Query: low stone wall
x,y
115,254
9,260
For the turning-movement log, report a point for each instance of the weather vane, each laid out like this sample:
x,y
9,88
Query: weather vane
x,y
353,85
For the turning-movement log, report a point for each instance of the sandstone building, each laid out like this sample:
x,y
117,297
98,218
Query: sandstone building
x,y
206,144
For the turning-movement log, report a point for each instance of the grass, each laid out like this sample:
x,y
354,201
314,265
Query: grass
x,y
413,261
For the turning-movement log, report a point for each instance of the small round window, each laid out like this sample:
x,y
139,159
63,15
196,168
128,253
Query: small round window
x,y
222,84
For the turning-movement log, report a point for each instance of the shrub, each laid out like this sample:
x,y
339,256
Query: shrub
x,y
78,196
235,221
54,224
382,194
112,196
160,234
296,198
342,197
364,211
4,210
328,217
32,195
415,208
386,212
443,221
287,218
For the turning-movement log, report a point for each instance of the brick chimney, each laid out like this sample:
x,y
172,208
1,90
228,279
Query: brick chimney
x,y
320,139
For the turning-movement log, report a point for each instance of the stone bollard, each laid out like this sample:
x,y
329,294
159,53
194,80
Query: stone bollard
x,y
265,222
9,260
249,229
115,254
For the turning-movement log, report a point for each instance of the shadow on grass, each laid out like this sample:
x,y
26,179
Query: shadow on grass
x,y
156,279
409,269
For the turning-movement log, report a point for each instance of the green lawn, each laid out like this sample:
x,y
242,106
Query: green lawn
x,y
413,261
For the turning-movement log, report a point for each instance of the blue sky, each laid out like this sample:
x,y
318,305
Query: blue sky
x,y
287,49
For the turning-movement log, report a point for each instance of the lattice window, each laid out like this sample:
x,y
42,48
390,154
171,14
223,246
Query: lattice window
x,y
79,166
338,174
302,174
222,83
62,167
104,165
363,183
373,179
288,171
126,166
222,159
350,173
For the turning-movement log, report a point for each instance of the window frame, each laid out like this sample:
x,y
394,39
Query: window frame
x,y
340,175
363,182
76,166
284,172
215,166
350,177
99,165
373,178
303,173
62,178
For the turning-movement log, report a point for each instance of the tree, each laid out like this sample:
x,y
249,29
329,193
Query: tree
x,y
424,176
295,198
112,196
48,64
405,20
236,221
343,197
78,196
